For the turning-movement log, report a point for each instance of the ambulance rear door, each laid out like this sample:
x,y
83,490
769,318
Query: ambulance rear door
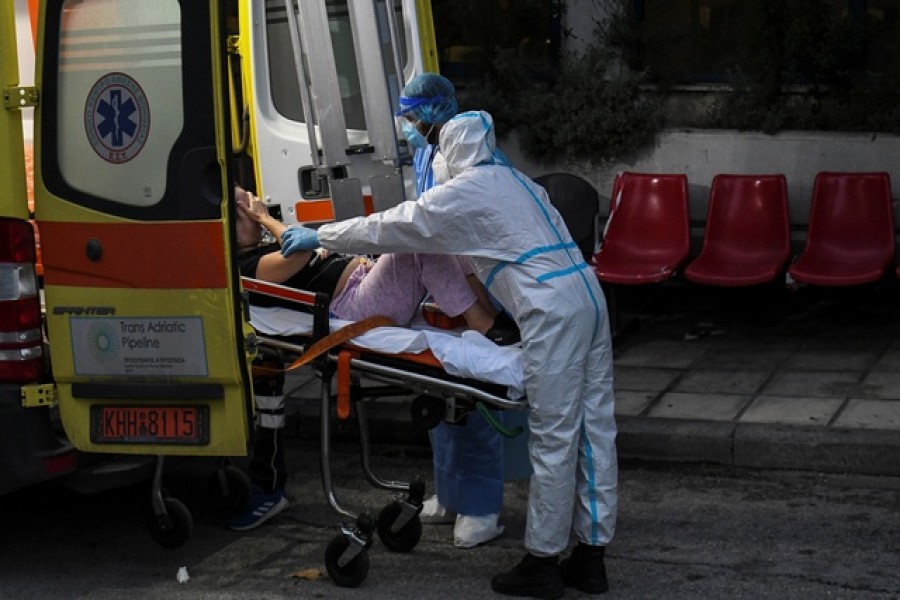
x,y
146,329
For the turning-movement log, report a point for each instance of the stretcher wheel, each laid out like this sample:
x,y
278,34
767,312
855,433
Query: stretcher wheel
x,y
354,572
228,490
172,529
404,539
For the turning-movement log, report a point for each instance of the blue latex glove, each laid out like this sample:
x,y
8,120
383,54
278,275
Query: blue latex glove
x,y
298,237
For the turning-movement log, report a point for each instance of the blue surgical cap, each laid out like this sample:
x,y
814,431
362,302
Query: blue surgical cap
x,y
430,97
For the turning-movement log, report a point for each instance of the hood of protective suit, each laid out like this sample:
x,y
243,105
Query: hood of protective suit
x,y
467,140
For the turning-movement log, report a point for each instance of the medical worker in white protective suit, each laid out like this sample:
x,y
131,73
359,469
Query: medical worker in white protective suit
x,y
520,248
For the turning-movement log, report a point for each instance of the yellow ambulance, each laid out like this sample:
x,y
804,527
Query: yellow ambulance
x,y
130,336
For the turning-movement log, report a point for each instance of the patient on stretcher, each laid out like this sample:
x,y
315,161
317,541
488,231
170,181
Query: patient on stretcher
x,y
393,286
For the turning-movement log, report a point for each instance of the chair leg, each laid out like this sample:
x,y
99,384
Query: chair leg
x,y
612,307
618,327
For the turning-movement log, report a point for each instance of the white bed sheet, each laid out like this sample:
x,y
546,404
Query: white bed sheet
x,y
463,354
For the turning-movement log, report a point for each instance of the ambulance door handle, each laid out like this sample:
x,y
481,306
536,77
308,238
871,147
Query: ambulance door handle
x,y
94,250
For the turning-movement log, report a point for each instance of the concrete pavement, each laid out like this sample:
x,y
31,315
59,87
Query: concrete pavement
x,y
766,378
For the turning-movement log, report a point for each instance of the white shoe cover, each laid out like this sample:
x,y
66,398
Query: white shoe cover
x,y
472,531
433,512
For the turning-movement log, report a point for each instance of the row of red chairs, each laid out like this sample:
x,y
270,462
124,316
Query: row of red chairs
x,y
850,239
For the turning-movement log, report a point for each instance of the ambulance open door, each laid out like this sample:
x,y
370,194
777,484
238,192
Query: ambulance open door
x,y
322,81
148,340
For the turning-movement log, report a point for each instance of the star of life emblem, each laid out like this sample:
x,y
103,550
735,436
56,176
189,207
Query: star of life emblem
x,y
117,118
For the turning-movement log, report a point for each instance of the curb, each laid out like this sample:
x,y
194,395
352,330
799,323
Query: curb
x,y
748,445
761,446
674,440
827,450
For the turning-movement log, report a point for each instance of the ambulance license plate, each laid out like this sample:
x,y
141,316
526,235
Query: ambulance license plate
x,y
179,425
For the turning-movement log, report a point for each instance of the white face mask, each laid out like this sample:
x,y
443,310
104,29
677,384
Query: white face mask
x,y
440,169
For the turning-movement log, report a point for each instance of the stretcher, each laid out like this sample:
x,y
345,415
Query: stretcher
x,y
448,374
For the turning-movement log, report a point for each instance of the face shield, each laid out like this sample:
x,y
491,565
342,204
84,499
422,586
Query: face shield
x,y
409,105
428,98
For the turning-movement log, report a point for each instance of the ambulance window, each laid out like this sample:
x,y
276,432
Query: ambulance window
x,y
112,70
283,75
127,106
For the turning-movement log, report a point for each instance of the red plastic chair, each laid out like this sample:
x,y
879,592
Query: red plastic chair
x,y
850,240
748,233
647,235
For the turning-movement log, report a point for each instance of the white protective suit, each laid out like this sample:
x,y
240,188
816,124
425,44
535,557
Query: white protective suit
x,y
520,248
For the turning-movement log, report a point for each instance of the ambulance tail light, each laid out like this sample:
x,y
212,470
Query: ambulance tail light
x,y
21,353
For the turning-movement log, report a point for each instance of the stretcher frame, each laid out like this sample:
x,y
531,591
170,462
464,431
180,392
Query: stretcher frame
x,y
439,396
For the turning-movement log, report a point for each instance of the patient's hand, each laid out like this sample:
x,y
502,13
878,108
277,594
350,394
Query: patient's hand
x,y
241,196
251,205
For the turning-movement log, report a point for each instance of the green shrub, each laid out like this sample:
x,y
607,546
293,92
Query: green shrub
x,y
789,65
593,108
803,66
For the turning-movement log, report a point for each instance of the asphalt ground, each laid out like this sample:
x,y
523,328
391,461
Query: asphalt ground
x,y
684,531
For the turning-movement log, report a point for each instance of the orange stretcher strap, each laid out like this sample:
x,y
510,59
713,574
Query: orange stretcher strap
x,y
343,384
332,340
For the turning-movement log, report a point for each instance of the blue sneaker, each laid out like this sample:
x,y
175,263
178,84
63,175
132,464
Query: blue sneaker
x,y
262,508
